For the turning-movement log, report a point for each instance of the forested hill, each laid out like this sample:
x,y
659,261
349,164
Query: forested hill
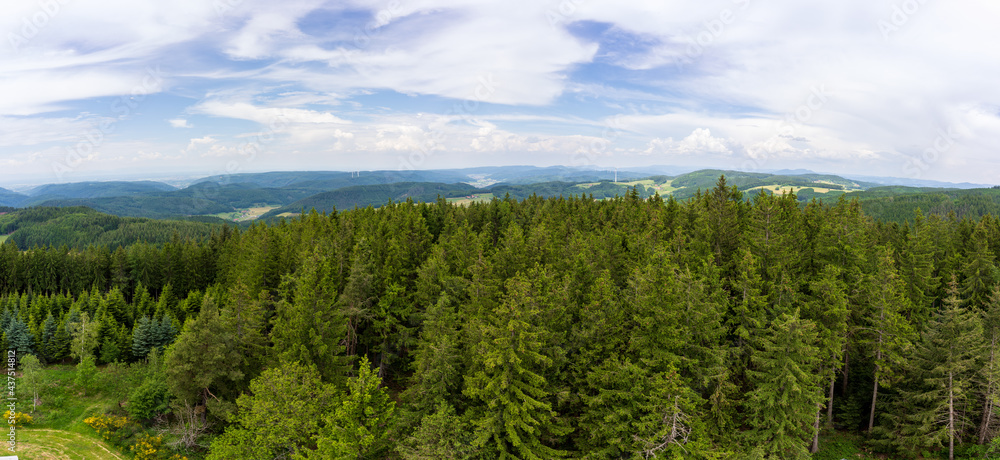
x,y
899,204
79,227
713,328
249,196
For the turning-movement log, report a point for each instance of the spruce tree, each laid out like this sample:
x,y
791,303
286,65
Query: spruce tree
x,y
48,348
19,338
991,368
829,310
786,386
887,333
514,416
360,427
308,327
945,366
142,338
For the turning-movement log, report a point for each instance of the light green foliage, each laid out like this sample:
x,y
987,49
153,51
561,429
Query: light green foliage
x,y
360,426
280,415
514,416
440,435
308,327
84,332
85,372
31,378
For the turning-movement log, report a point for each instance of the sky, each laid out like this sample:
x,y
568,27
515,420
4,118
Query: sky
x,y
108,89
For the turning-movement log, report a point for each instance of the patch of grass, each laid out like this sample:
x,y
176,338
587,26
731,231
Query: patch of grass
x,y
58,431
63,406
3,238
244,214
466,200
35,443
779,189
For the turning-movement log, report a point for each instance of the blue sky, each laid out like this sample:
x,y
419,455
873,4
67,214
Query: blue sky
x,y
140,89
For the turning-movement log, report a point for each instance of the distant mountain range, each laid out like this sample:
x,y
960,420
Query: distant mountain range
x,y
289,192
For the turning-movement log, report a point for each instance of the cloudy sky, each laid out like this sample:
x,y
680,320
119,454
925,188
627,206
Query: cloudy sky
x,y
96,89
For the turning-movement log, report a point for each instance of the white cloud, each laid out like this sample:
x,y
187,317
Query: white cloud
x,y
732,80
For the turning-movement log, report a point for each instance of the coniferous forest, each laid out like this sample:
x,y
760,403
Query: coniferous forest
x,y
725,326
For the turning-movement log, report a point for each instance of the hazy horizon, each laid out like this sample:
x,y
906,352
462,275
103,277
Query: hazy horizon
x,y
109,90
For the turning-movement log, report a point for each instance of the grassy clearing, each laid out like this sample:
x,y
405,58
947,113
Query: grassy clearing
x,y
779,189
245,214
58,431
466,200
3,238
34,443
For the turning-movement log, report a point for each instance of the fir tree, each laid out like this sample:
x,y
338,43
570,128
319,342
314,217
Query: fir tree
x,y
48,348
887,331
360,427
991,368
308,328
786,388
19,338
142,338
945,364
514,416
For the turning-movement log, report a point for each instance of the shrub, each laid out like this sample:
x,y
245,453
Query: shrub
x,y
149,400
110,427
151,448
20,418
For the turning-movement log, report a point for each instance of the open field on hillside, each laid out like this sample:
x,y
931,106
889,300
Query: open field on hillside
x,y
245,214
465,200
779,189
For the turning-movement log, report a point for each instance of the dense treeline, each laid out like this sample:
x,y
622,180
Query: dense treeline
x,y
79,227
899,204
718,327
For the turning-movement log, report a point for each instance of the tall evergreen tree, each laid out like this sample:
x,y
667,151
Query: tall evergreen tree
x,y
360,427
887,333
991,368
829,310
786,388
19,338
308,327
945,365
514,416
